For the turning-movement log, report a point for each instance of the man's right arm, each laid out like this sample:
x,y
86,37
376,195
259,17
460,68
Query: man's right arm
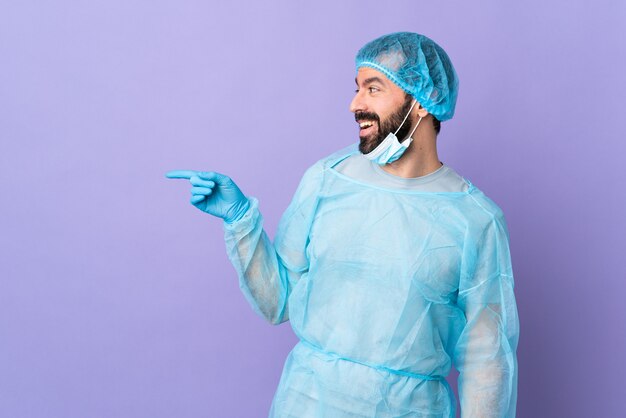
x,y
267,272
263,278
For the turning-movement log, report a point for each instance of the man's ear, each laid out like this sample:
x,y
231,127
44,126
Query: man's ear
x,y
421,112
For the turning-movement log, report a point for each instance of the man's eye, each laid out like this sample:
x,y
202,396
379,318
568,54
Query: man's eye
x,y
370,89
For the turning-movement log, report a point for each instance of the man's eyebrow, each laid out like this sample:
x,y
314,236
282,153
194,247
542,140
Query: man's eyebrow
x,y
370,81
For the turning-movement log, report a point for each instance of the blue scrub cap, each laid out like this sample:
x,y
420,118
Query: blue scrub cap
x,y
418,66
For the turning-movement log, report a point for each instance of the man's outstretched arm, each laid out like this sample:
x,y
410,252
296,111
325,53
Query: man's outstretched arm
x,y
262,278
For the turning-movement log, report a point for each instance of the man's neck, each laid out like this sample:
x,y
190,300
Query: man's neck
x,y
420,159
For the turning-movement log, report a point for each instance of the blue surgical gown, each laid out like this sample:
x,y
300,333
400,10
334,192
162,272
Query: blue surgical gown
x,y
386,290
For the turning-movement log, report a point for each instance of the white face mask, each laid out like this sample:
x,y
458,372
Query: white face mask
x,y
391,149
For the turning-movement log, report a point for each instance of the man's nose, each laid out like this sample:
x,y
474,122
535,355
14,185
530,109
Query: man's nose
x,y
358,104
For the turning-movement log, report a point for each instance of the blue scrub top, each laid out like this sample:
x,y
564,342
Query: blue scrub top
x,y
387,288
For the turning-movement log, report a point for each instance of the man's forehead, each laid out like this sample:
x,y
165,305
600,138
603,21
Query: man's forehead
x,y
367,75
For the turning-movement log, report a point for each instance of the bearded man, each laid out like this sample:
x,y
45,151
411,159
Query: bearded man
x,y
389,265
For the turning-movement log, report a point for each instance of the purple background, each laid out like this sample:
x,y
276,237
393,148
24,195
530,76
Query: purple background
x,y
116,296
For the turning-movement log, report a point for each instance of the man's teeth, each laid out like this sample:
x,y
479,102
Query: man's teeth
x,y
365,124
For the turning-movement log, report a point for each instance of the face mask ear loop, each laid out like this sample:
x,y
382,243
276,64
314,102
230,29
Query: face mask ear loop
x,y
407,115
413,131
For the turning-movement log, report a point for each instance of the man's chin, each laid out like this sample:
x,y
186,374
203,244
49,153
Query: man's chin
x,y
367,144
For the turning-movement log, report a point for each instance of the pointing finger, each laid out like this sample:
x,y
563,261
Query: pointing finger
x,y
181,174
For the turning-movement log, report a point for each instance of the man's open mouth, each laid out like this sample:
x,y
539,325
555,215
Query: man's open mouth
x,y
366,126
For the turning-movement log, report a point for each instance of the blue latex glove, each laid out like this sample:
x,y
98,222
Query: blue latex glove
x,y
215,194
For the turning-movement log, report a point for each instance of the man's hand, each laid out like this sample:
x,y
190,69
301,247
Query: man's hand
x,y
214,193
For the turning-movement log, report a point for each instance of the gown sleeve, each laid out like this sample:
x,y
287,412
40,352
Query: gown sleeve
x,y
485,354
268,271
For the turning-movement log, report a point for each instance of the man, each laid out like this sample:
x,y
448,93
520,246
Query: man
x,y
388,264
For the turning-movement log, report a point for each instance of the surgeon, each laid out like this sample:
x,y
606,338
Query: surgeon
x,y
390,266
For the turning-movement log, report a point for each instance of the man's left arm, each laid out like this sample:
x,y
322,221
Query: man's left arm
x,y
485,354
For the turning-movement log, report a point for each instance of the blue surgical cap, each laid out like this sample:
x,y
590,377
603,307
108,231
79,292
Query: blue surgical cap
x,y
418,66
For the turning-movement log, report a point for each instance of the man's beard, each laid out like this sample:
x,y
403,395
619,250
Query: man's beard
x,y
368,143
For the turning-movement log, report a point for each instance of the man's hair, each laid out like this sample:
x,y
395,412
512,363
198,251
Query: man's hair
x,y
436,125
